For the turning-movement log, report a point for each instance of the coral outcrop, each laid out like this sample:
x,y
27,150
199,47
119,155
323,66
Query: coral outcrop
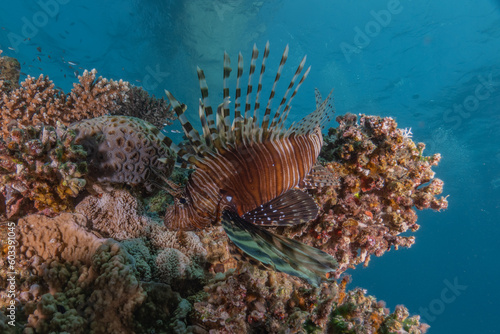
x,y
41,166
383,175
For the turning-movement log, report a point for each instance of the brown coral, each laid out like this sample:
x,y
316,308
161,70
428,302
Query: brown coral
x,y
116,214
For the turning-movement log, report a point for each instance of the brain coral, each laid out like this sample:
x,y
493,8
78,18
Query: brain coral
x,y
123,149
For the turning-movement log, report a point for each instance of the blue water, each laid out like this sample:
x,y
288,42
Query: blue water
x,y
433,65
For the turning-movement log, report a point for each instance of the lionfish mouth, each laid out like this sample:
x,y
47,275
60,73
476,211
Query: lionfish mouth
x,y
259,164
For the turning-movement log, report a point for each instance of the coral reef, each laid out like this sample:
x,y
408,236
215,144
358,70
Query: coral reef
x,y
139,104
124,150
382,175
42,165
10,70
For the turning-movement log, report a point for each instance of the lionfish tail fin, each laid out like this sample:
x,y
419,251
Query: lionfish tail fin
x,y
277,252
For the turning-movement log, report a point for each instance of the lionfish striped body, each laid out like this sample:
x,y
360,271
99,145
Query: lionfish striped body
x,y
246,173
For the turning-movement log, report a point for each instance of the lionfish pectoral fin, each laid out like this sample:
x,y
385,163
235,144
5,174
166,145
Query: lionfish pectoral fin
x,y
292,208
319,177
277,252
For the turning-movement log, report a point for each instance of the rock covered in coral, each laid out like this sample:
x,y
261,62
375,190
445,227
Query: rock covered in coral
x,y
124,150
139,104
43,165
382,176
10,70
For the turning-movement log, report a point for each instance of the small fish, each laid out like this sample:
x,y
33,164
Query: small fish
x,y
39,49
11,48
245,173
72,63
39,59
175,131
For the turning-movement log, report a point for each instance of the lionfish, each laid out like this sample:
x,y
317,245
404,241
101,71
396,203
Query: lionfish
x,y
246,174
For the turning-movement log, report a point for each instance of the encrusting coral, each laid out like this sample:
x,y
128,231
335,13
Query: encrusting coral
x,y
41,165
381,176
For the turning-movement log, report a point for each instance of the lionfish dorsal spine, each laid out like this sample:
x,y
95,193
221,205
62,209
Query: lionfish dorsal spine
x,y
259,85
237,125
251,71
209,114
284,98
282,119
267,113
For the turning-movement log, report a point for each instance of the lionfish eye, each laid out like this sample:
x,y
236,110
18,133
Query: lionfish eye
x,y
182,200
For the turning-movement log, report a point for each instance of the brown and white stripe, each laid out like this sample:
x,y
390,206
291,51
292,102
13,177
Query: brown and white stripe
x,y
243,165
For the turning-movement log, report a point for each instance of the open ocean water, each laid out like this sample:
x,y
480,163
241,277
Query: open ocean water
x,y
432,65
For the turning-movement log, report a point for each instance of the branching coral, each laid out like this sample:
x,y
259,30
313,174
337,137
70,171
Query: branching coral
x,y
38,101
382,175
35,101
43,165
139,104
95,96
